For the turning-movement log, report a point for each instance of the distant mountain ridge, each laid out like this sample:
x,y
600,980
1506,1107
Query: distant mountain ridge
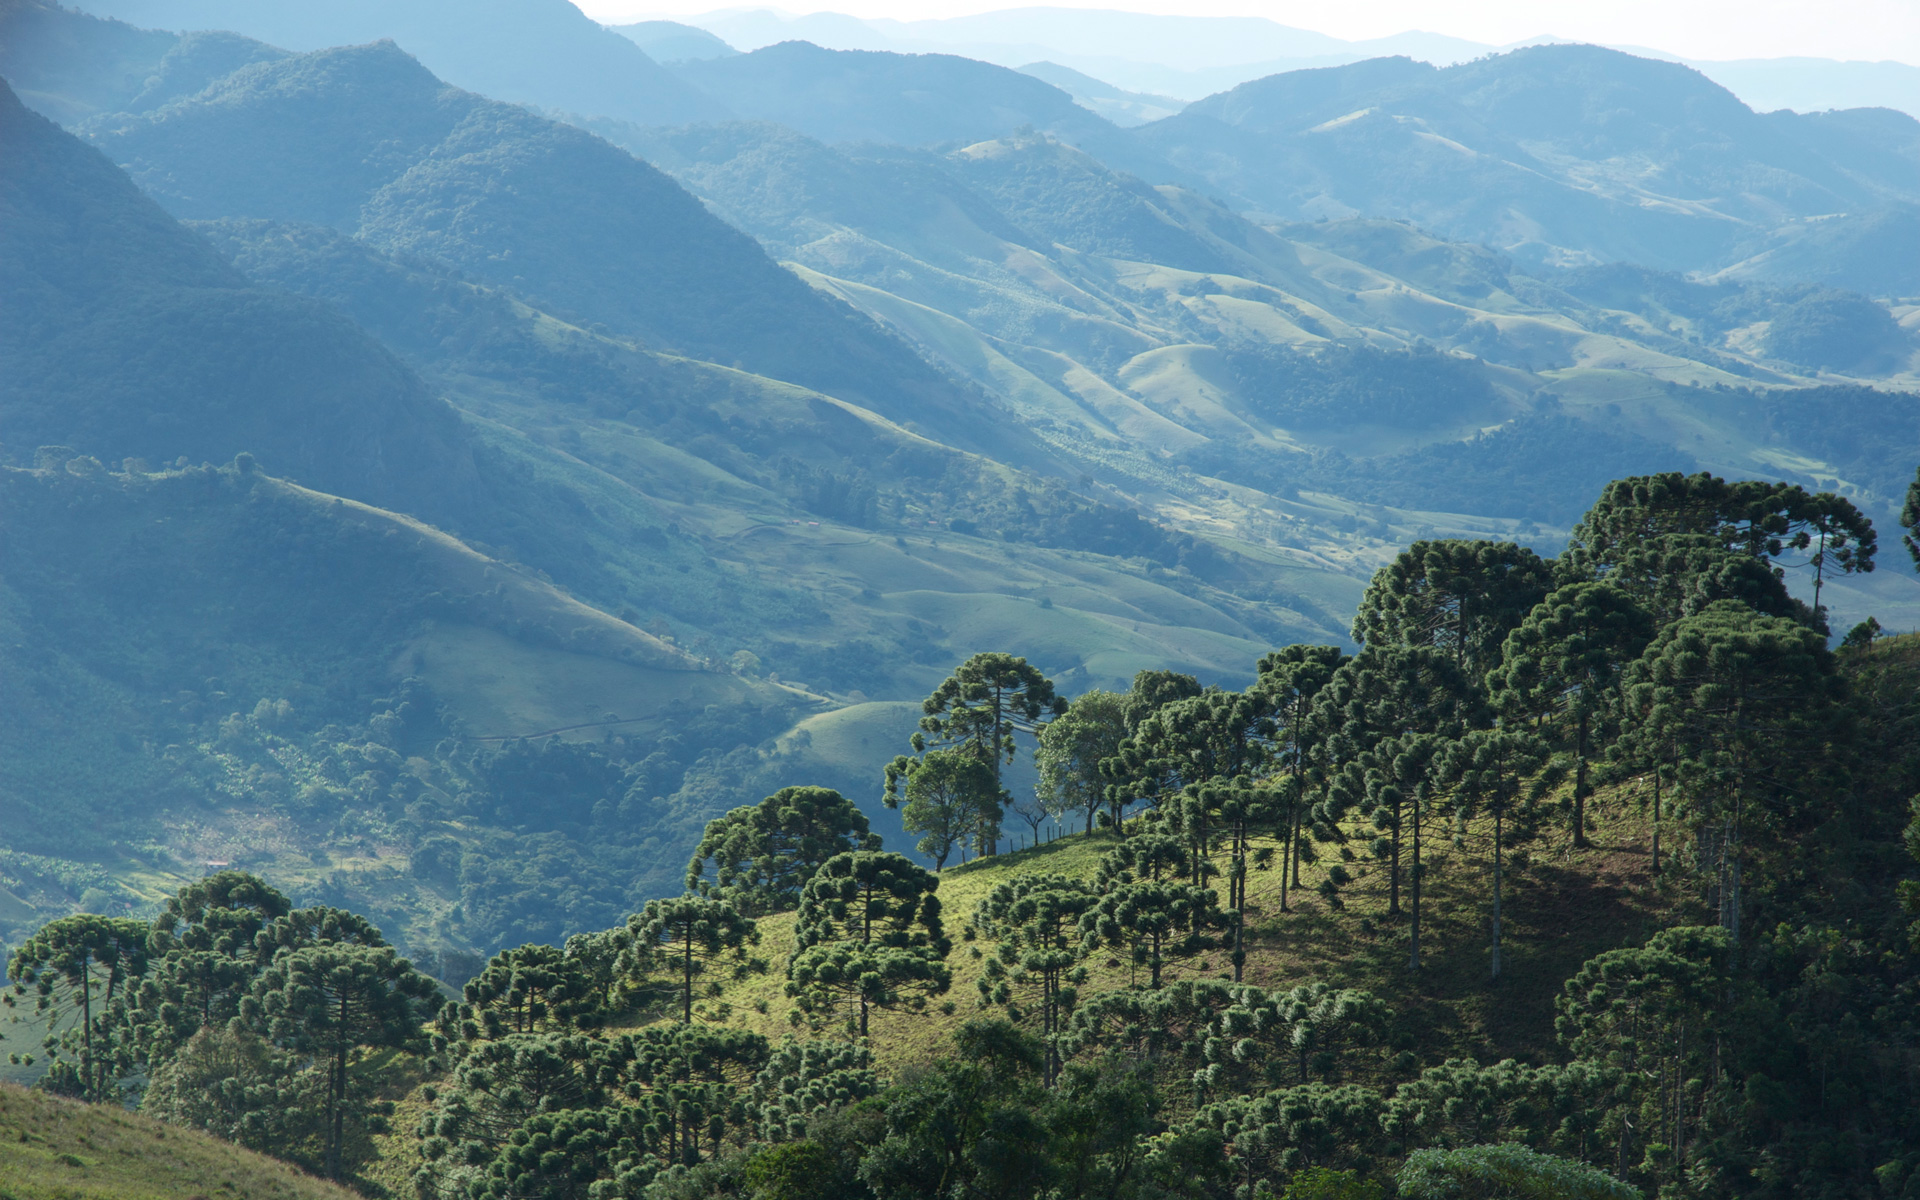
x,y
97,274
541,52
1555,153
367,140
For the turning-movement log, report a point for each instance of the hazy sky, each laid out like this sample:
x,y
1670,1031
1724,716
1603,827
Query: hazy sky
x,y
1708,29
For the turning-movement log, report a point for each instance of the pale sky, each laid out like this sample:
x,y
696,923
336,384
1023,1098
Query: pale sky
x,y
1700,29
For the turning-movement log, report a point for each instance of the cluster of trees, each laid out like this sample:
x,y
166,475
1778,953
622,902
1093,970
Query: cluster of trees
x,y
1763,1049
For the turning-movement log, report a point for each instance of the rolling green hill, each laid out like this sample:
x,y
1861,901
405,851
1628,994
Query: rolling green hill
x,y
1119,316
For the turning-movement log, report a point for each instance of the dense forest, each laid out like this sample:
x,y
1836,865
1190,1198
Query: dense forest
x,y
1302,942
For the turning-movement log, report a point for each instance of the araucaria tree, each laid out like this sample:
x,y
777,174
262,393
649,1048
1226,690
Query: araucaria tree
x,y
1488,770
78,969
1750,708
1290,678
1036,921
328,1002
1358,720
1152,919
686,936
204,959
761,855
1459,597
869,934
1910,521
1560,670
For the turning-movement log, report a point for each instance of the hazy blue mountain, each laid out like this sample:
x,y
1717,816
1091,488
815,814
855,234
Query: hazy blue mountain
x,y
908,99
367,140
70,66
1876,252
1123,108
671,42
124,335
1551,153
1194,56
1817,84
540,52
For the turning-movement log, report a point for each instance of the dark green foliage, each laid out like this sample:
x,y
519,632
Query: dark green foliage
x,y
1910,520
1072,747
234,1084
986,700
869,933
528,989
1560,668
1639,522
953,800
981,1125
1153,920
1747,711
1362,718
1489,770
1837,331
1263,1039
497,1089
78,969
1289,1129
1459,597
1344,385
207,944
1035,920
327,1001
686,937
802,1081
1505,1173
762,856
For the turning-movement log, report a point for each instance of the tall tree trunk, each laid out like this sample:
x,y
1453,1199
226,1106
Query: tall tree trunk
x,y
1287,834
1580,780
1498,813
1393,871
1413,944
1656,821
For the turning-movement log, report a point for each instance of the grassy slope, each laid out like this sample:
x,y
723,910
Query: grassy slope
x,y
50,1147
1562,907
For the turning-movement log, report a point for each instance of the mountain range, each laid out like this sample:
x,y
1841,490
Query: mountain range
x,y
455,465
1191,57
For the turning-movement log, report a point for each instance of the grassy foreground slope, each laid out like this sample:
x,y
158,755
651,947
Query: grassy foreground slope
x,y
52,1147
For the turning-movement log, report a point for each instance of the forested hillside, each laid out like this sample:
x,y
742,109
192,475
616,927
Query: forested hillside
x,y
1584,876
